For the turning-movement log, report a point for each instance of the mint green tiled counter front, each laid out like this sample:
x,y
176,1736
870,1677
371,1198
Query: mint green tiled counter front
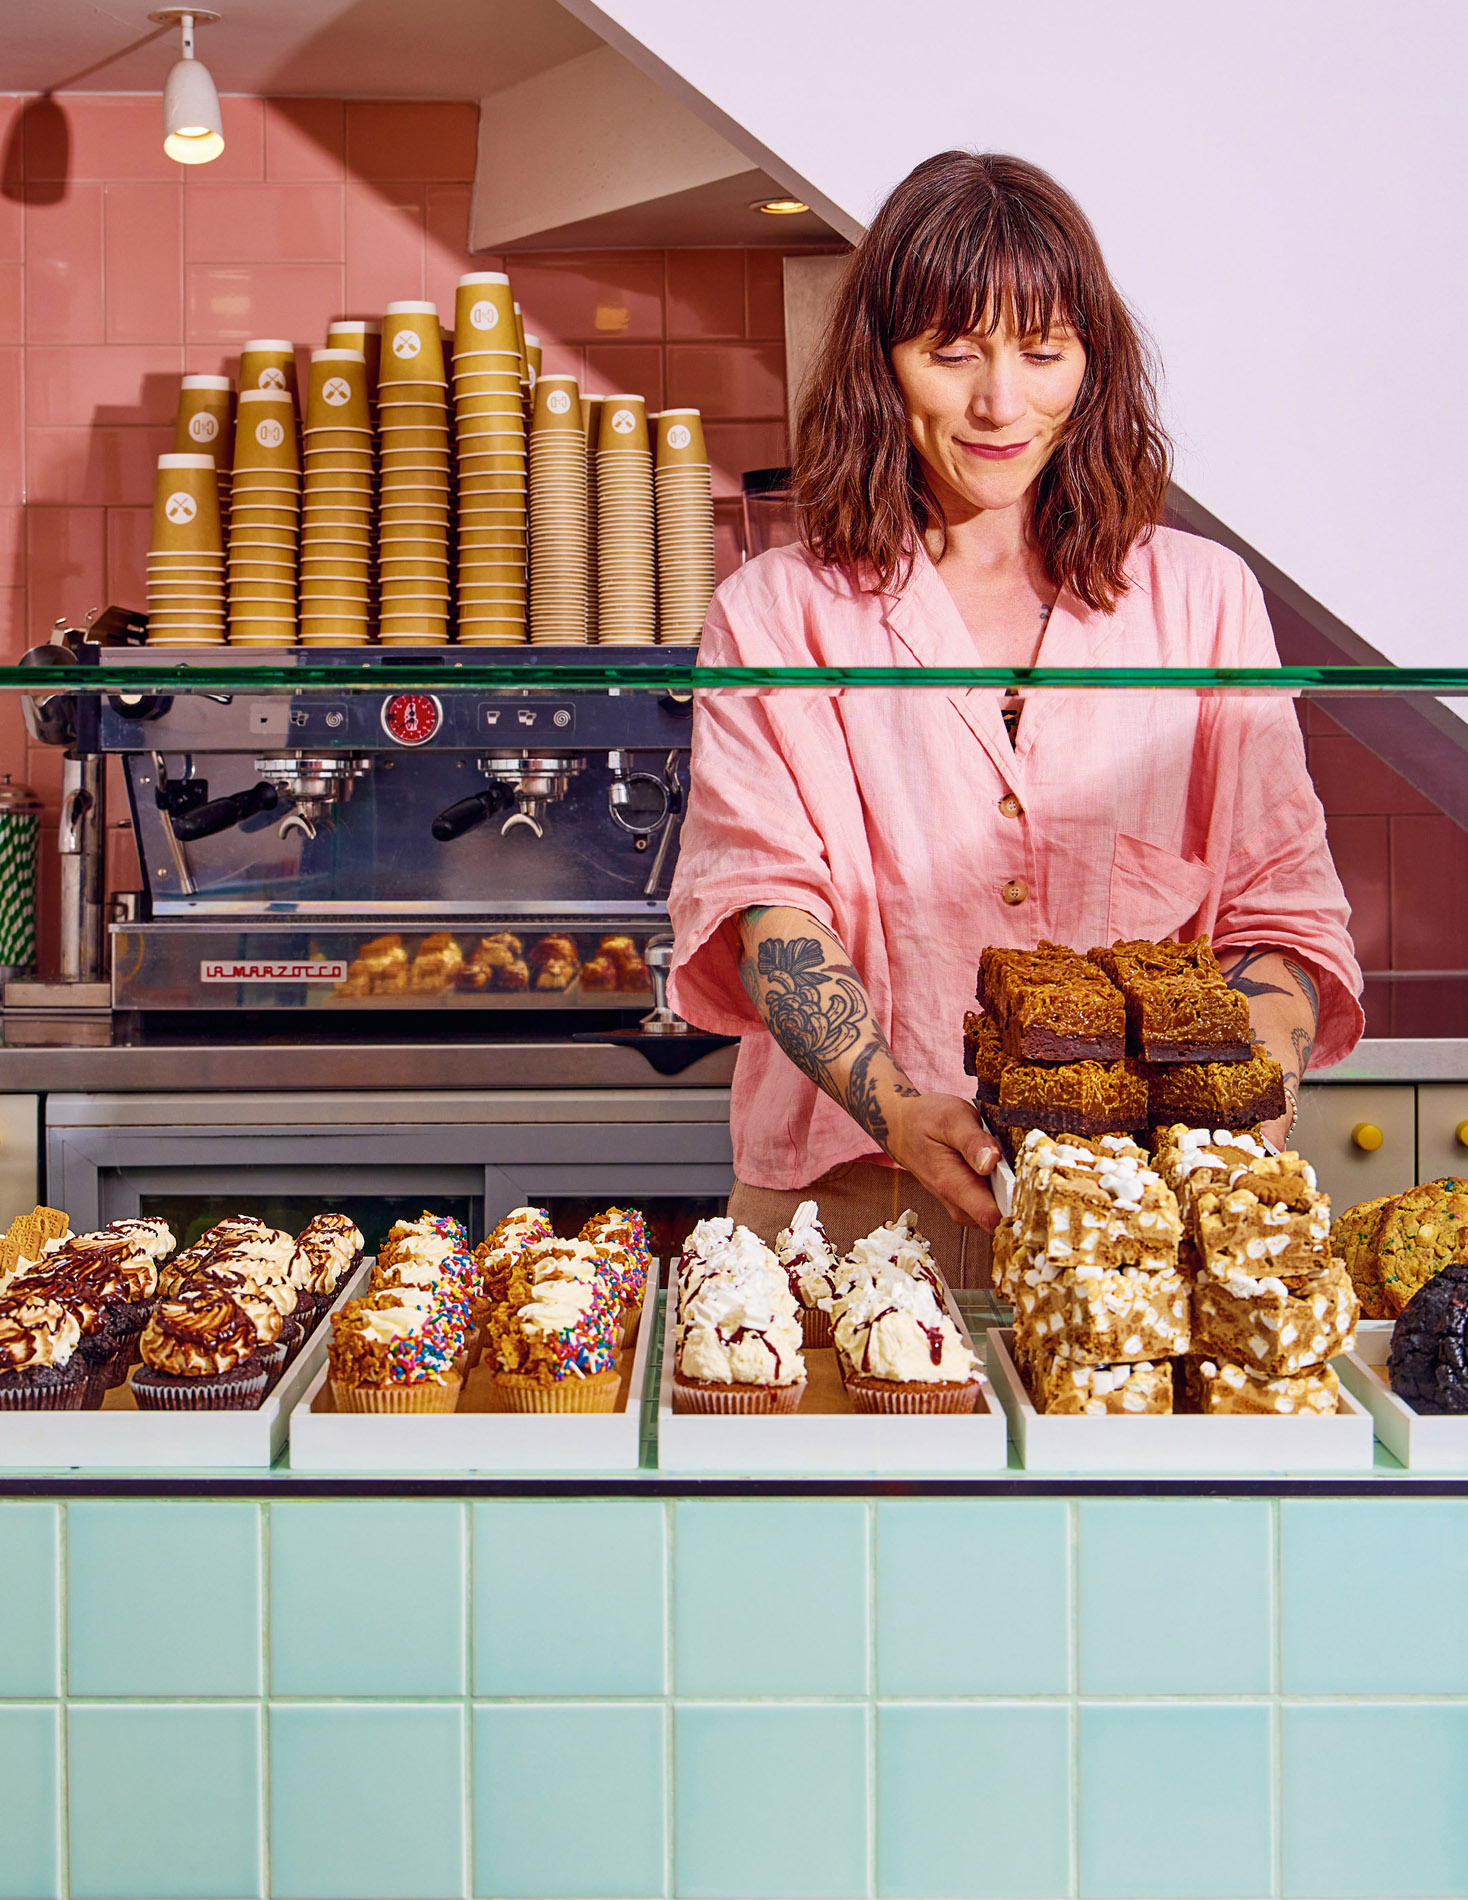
x,y
698,1697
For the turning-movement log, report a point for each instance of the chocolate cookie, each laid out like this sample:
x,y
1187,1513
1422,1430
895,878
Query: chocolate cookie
x,y
1428,1366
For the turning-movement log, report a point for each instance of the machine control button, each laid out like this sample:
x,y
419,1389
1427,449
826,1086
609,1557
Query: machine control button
x,y
506,719
1367,1137
1011,807
412,718
1015,891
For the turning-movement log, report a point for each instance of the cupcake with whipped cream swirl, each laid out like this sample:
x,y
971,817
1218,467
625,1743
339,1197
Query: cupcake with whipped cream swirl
x,y
40,1366
398,1351
557,1348
899,1350
201,1351
496,1254
738,1338
811,1266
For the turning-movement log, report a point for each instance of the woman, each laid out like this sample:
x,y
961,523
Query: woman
x,y
981,474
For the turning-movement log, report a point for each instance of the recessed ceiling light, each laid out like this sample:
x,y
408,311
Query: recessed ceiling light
x,y
779,207
193,132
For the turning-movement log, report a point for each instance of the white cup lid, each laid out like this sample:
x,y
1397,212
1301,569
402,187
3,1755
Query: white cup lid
x,y
185,461
207,382
484,277
412,309
266,395
338,356
268,343
531,342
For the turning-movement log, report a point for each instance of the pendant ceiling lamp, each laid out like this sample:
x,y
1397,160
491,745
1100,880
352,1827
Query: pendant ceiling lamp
x,y
193,132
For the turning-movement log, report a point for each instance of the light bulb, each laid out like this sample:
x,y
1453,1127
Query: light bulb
x,y
193,131
780,207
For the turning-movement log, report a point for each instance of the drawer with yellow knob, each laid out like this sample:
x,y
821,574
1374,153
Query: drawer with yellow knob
x,y
1360,1137
1442,1129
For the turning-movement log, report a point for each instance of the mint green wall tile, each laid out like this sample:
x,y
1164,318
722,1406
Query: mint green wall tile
x,y
30,1802
366,1798
400,1633
1372,1595
570,1597
1174,1596
1373,1800
770,1801
165,1802
1174,1801
1007,1560
189,1576
30,1572
973,1799
569,1799
751,1577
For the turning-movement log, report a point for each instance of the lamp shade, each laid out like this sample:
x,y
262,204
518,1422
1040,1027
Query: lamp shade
x,y
192,129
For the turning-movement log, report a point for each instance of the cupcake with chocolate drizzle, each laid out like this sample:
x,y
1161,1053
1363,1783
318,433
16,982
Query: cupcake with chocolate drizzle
x,y
40,1366
201,1352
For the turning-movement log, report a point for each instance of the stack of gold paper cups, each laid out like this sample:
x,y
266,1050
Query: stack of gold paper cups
x,y
626,595
265,520
591,407
203,424
186,555
491,468
269,362
558,592
413,421
336,521
532,364
351,333
685,524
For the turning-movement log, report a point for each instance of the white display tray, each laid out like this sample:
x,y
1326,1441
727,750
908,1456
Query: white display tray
x,y
477,1437
121,1438
1415,1439
826,1434
1178,1441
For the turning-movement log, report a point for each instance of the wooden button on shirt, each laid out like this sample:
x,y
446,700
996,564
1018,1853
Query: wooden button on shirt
x,y
1011,807
1015,891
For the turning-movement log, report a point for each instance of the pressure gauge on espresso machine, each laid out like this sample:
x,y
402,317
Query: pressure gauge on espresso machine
x,y
412,718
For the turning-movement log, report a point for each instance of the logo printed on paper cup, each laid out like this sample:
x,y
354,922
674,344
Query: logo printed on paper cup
x,y
180,508
336,390
203,427
406,343
623,421
679,437
269,433
484,316
272,378
558,402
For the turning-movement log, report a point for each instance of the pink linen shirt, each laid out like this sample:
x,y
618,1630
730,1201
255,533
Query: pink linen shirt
x,y
1139,814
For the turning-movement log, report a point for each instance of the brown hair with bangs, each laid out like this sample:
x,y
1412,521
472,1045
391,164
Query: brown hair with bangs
x,y
965,241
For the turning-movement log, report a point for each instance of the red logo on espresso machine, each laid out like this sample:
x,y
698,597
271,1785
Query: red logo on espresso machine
x,y
412,718
256,971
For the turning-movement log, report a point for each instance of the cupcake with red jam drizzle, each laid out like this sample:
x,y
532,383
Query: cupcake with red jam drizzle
x,y
899,1351
812,1267
738,1339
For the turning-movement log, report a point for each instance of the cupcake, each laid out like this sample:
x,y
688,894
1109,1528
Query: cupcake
x,y
397,1352
200,1353
738,1335
620,1234
557,1350
330,1246
40,1367
899,1351
496,1255
811,1267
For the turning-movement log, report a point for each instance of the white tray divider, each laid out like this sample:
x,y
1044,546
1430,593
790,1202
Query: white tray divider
x,y
1421,1441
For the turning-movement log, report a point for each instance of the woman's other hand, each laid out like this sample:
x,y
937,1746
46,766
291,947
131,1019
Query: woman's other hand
x,y
941,1140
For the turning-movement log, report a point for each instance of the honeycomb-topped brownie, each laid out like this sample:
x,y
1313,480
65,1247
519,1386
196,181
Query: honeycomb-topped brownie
x,y
1216,1094
983,1054
1178,1006
1094,1204
1267,1218
1221,1386
1274,1329
1052,1005
1060,1387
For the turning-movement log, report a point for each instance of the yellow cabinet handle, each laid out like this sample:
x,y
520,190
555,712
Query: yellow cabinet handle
x,y
1368,1137
1461,1131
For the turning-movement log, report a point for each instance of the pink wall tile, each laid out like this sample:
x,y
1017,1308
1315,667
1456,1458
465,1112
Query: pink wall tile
x,y
1360,849
243,158
1429,893
229,303
64,268
410,138
91,467
728,538
1350,778
636,368
65,563
591,296
142,227
101,384
128,532
705,294
737,446
12,548
305,138
12,437
265,223
12,291
385,247
14,636
743,380
99,136
563,359
12,736
12,212
447,219
764,294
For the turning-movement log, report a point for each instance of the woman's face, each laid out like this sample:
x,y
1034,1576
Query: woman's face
x,y
986,412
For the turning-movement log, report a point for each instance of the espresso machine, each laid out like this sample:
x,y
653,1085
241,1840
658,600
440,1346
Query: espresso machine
x,y
383,847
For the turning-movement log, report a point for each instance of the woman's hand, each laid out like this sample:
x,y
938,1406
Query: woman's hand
x,y
940,1139
804,986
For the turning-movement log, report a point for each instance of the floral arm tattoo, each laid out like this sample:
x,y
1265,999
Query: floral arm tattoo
x,y
804,985
1288,1025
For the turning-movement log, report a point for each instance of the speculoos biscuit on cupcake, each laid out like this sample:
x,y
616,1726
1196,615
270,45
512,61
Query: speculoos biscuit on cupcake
x,y
40,1366
200,1353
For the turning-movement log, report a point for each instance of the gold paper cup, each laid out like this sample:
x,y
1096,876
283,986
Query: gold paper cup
x,y
363,337
269,363
186,505
679,440
412,344
532,358
203,423
557,407
623,427
484,311
265,433
336,390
